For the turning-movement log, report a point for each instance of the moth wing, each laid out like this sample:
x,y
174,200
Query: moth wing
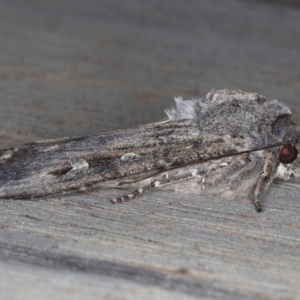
x,y
224,124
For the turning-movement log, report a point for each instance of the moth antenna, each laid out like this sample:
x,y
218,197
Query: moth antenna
x,y
158,183
132,195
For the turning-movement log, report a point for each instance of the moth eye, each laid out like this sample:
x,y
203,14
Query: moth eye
x,y
288,154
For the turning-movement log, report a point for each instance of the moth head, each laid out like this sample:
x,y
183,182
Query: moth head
x,y
290,162
288,154
288,132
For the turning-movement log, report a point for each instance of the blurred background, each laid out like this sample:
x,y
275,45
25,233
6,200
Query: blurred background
x,y
72,68
81,67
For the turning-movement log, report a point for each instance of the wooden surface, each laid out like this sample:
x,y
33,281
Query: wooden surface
x,y
70,68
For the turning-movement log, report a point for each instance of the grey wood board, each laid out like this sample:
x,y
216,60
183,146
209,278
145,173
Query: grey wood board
x,y
71,68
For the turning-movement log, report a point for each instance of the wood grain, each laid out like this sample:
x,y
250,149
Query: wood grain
x,y
70,68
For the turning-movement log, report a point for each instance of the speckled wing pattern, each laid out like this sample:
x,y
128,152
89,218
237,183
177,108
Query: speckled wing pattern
x,y
205,145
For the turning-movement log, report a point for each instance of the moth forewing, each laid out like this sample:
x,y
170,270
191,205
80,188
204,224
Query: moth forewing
x,y
45,168
200,136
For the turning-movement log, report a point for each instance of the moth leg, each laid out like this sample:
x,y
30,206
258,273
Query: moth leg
x,y
267,170
158,183
258,190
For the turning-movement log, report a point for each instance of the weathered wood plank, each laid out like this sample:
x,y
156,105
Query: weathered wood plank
x,y
72,68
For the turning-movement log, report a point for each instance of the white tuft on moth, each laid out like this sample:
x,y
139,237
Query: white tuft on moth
x,y
230,144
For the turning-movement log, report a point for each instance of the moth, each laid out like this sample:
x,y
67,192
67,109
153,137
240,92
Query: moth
x,y
230,144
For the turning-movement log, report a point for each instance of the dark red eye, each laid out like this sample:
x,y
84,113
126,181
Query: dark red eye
x,y
288,154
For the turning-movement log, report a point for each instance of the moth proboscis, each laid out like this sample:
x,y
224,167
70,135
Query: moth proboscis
x,y
230,144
